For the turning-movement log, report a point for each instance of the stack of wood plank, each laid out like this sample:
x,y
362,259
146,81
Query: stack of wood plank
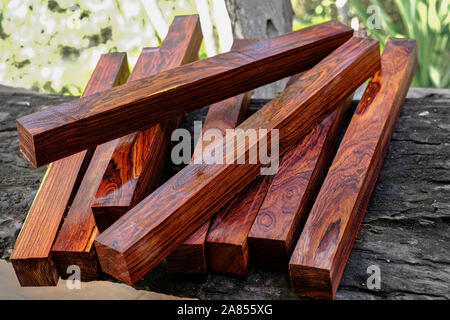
x,y
103,204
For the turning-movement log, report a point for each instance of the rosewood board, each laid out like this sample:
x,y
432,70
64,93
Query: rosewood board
x,y
190,257
226,241
147,233
320,256
137,164
291,195
31,257
74,243
71,127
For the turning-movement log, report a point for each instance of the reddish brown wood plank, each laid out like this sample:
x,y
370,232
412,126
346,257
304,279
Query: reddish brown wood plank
x,y
31,257
74,243
145,235
226,242
190,257
137,165
227,245
320,256
71,127
280,219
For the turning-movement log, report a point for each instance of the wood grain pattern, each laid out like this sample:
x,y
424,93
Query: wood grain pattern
x,y
138,162
146,234
31,257
190,257
280,219
71,127
226,242
74,243
227,245
320,256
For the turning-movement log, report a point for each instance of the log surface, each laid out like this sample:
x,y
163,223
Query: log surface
x,y
407,216
72,127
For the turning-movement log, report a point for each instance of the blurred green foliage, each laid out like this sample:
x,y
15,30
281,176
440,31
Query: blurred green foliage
x,y
53,46
428,21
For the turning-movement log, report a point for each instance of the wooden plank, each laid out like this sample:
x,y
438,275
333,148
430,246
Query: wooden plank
x,y
31,257
74,244
71,127
137,165
320,256
226,242
145,235
291,195
190,257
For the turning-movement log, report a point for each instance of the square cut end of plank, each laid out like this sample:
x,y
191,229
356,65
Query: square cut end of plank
x,y
311,282
269,254
105,215
26,143
43,272
86,261
228,258
187,258
114,263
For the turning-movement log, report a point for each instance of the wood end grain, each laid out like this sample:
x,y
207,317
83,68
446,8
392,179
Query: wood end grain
x,y
188,258
228,258
86,261
36,272
311,282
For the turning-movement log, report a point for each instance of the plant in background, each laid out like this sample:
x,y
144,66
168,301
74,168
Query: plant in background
x,y
426,21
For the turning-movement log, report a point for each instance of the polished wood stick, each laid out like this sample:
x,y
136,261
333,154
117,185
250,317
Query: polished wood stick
x,y
31,257
138,162
226,242
320,256
146,234
74,244
74,126
227,245
190,257
278,223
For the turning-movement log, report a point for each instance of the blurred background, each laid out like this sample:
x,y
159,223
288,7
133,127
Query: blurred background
x,y
53,46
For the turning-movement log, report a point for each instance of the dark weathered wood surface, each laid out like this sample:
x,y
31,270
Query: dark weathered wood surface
x,y
31,258
321,253
139,160
146,234
405,231
66,129
190,257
